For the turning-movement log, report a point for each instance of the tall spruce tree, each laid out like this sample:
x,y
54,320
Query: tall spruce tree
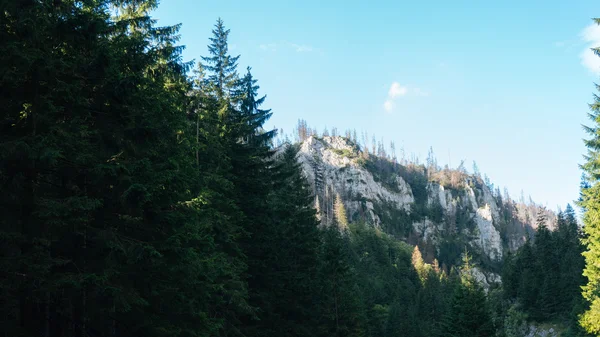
x,y
221,65
590,320
340,310
571,261
253,117
283,259
467,314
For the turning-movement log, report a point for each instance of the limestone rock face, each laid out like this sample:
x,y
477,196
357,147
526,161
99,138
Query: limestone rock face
x,y
484,213
489,237
332,162
485,279
378,191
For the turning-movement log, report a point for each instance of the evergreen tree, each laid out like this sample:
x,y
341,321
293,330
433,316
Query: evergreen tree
x,y
340,309
252,116
590,320
432,304
402,320
221,65
571,261
282,282
113,235
467,314
546,269
544,276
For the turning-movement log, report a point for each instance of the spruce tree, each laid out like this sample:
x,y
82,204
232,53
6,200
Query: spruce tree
x,y
221,65
571,260
283,277
252,116
467,314
340,311
545,269
113,230
590,320
431,304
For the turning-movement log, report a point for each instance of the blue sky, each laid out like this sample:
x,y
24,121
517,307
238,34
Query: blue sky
x,y
503,83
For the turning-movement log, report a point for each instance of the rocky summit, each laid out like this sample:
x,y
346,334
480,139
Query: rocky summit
x,y
444,211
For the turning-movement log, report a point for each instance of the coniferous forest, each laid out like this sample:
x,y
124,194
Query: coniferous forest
x,y
142,195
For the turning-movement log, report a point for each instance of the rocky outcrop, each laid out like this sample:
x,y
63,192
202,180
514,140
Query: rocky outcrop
x,y
379,192
485,279
332,162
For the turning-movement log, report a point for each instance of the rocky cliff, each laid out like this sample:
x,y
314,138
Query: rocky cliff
x,y
443,211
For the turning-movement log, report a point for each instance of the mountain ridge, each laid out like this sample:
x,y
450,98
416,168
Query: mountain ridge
x,y
443,211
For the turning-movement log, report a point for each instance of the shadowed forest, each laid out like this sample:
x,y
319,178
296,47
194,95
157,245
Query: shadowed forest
x,y
143,196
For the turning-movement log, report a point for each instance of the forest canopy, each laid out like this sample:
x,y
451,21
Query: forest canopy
x,y
144,196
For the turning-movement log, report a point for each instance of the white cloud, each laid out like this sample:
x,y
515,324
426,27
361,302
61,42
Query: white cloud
x,y
590,61
388,105
591,35
396,90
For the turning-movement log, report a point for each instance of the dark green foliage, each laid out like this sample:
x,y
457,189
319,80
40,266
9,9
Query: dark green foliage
x,y
468,313
433,302
545,275
138,201
341,311
396,221
283,257
346,153
589,192
454,239
384,171
398,301
113,235
223,67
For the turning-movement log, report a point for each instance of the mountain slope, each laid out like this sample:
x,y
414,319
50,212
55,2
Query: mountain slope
x,y
443,211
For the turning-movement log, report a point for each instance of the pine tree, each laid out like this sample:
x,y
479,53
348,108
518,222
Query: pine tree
x,y
102,135
546,269
431,304
467,314
402,320
223,67
282,282
590,320
544,276
340,309
252,116
124,231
